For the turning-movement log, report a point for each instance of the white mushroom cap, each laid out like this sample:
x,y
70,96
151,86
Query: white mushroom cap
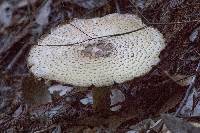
x,y
100,61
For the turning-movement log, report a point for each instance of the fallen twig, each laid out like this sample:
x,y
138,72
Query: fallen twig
x,y
139,12
80,30
15,59
158,23
119,34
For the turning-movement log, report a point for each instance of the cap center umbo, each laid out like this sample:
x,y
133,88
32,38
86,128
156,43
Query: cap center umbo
x,y
97,50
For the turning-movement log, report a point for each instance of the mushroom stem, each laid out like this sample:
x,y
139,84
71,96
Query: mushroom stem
x,y
101,96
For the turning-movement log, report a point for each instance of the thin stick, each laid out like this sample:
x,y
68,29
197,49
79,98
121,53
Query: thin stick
x,y
16,58
198,67
29,10
81,30
119,34
139,12
171,23
191,86
124,32
16,39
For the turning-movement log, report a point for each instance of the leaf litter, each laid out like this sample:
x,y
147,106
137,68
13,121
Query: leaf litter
x,y
160,91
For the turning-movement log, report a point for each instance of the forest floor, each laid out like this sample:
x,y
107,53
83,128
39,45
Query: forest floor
x,y
168,95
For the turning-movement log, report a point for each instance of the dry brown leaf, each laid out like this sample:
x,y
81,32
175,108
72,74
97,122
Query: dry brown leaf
x,y
172,102
177,125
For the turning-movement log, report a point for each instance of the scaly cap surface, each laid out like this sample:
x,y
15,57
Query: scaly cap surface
x,y
100,61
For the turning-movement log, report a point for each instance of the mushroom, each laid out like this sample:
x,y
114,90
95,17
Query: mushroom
x,y
97,52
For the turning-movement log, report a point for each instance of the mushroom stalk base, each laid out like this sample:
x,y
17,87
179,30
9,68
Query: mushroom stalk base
x,y
101,96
